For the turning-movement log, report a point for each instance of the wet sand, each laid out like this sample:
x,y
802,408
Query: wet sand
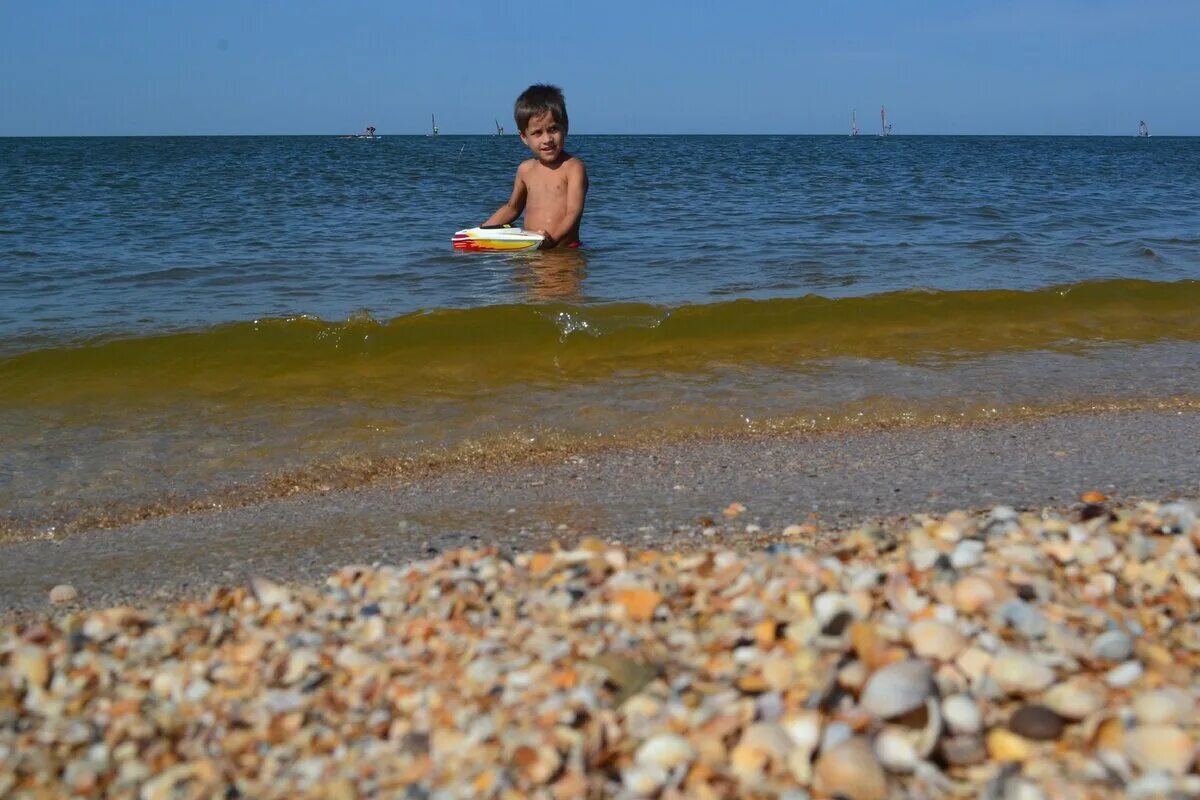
x,y
663,497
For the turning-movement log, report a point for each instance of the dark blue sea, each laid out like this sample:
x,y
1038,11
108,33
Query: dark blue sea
x,y
182,318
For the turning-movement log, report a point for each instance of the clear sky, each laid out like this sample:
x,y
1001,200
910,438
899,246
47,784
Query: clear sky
x,y
83,67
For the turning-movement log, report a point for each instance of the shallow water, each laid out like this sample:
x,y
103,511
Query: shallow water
x,y
183,315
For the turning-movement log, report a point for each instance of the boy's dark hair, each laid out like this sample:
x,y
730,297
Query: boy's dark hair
x,y
538,99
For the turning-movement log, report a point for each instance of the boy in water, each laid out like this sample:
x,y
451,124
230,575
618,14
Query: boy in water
x,y
550,188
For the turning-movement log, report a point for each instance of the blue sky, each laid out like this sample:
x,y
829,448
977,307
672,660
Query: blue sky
x,y
85,67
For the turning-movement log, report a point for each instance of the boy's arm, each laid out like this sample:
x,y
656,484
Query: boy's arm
x,y
515,205
577,185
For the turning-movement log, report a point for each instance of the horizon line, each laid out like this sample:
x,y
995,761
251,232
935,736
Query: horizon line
x,y
513,135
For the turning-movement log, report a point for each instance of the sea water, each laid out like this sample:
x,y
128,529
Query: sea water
x,y
186,321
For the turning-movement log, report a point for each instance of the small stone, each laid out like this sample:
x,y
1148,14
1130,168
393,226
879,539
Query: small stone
x,y
666,750
1036,722
936,640
922,559
1025,618
1160,748
1124,675
1076,699
1177,518
973,593
1017,673
897,689
778,673
63,593
1163,706
831,606
30,665
1112,646
1004,745
962,715
804,730
644,780
834,734
853,676
639,604
967,553
851,770
963,751
1152,785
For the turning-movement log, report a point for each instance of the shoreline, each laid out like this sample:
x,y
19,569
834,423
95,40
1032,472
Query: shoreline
x,y
667,496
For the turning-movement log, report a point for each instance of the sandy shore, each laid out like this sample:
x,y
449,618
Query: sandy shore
x,y
663,497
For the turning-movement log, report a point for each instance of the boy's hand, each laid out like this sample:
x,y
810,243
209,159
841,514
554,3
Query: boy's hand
x,y
548,242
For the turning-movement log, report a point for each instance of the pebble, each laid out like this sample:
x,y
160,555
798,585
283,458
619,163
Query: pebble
x,y
1124,675
964,751
1112,646
1036,722
1025,618
967,554
1003,745
604,670
961,714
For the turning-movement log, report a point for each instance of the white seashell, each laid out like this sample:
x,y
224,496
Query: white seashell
x,y
644,780
666,750
1164,748
1076,699
897,688
936,640
1018,673
895,750
1163,706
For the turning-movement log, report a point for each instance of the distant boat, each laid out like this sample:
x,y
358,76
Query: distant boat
x,y
499,130
885,126
1143,129
370,134
853,123
433,125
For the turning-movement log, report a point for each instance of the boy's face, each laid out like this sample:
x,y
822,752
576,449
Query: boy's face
x,y
544,137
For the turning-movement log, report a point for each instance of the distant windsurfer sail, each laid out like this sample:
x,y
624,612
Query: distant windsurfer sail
x,y
1143,129
885,126
854,123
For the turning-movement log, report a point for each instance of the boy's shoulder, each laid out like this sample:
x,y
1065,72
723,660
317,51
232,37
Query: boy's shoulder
x,y
572,163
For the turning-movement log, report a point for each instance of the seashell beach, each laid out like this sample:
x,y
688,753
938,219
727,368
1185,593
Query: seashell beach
x,y
1001,654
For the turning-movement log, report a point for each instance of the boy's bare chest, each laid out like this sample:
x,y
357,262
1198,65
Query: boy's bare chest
x,y
547,184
